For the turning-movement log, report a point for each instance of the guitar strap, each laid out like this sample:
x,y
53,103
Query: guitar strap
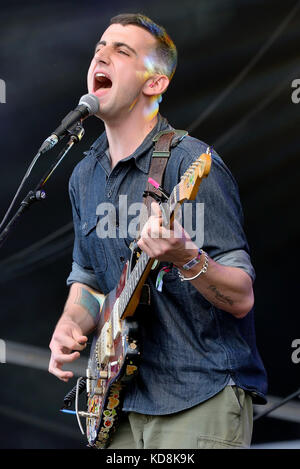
x,y
164,141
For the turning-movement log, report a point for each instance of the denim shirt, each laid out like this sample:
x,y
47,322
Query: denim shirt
x,y
190,349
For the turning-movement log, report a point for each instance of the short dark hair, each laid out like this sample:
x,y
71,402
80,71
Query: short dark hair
x,y
166,51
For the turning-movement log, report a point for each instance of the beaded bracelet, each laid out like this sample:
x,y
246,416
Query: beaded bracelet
x,y
202,271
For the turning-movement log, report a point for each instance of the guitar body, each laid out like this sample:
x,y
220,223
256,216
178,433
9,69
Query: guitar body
x,y
113,363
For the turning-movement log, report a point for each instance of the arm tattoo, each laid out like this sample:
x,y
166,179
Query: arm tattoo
x,y
88,302
219,296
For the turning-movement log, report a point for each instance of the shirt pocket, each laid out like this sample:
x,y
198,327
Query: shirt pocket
x,y
94,243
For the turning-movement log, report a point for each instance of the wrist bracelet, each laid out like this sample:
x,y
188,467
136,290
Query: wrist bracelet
x,y
202,271
193,261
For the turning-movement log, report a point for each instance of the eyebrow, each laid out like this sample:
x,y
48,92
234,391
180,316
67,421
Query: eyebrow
x,y
116,45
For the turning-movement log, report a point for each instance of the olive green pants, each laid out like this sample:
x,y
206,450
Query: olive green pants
x,y
223,421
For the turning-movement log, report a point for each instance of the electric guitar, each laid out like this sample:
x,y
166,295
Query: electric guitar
x,y
115,353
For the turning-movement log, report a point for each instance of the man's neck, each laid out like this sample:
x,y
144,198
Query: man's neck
x,y
126,136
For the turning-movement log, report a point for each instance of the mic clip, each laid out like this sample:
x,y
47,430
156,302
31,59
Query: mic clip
x,y
76,132
158,198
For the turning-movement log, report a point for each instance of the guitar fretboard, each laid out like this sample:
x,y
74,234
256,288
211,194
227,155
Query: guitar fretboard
x,y
133,281
143,261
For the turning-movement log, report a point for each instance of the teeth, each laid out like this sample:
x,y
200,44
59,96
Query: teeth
x,y
103,80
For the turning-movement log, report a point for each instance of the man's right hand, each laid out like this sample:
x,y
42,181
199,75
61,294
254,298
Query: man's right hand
x,y
66,343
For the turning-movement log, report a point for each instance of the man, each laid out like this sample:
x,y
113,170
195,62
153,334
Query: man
x,y
200,369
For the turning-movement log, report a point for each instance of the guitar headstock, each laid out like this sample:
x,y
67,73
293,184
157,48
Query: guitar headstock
x,y
192,178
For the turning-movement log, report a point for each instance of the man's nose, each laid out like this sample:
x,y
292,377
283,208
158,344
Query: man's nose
x,y
102,55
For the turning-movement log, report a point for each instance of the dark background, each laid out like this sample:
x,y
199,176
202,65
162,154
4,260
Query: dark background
x,y
232,89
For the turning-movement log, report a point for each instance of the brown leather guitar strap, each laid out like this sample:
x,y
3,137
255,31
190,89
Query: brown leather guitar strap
x,y
163,142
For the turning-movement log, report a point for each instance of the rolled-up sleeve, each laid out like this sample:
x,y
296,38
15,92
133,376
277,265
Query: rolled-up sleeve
x,y
237,258
82,275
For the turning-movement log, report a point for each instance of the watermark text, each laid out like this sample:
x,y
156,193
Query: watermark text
x,y
125,220
296,93
2,351
296,353
2,91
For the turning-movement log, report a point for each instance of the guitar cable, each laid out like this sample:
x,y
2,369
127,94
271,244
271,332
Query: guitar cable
x,y
70,397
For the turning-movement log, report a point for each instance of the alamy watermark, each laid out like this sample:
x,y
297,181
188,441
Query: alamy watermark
x,y
2,91
296,353
126,220
296,93
2,351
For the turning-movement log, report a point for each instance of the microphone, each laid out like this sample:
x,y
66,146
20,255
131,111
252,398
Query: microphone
x,y
88,106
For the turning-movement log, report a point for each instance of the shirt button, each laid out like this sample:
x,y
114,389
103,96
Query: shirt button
x,y
109,194
84,225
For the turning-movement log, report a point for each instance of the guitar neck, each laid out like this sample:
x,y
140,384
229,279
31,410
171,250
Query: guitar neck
x,y
131,292
140,272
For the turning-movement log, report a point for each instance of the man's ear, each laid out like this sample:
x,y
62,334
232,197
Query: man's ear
x,y
156,85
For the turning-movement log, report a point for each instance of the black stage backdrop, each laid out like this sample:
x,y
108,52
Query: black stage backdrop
x,y
235,88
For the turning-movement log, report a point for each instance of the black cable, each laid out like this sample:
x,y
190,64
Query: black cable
x,y
284,401
24,253
39,259
70,397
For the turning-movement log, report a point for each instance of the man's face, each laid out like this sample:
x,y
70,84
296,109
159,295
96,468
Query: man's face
x,y
118,69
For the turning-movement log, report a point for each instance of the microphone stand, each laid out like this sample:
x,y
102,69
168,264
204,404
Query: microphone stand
x,y
39,194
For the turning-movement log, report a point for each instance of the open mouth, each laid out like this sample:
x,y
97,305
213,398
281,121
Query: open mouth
x,y
101,81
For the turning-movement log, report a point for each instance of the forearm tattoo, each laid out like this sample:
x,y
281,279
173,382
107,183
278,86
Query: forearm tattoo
x,y
219,296
85,299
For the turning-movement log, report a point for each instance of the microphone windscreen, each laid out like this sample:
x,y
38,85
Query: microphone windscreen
x,y
91,102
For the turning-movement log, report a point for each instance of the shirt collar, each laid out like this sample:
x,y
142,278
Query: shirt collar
x,y
142,155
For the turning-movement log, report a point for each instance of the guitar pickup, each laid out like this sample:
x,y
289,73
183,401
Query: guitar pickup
x,y
117,328
106,343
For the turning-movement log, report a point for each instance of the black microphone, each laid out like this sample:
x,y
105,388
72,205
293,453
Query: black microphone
x,y
88,106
